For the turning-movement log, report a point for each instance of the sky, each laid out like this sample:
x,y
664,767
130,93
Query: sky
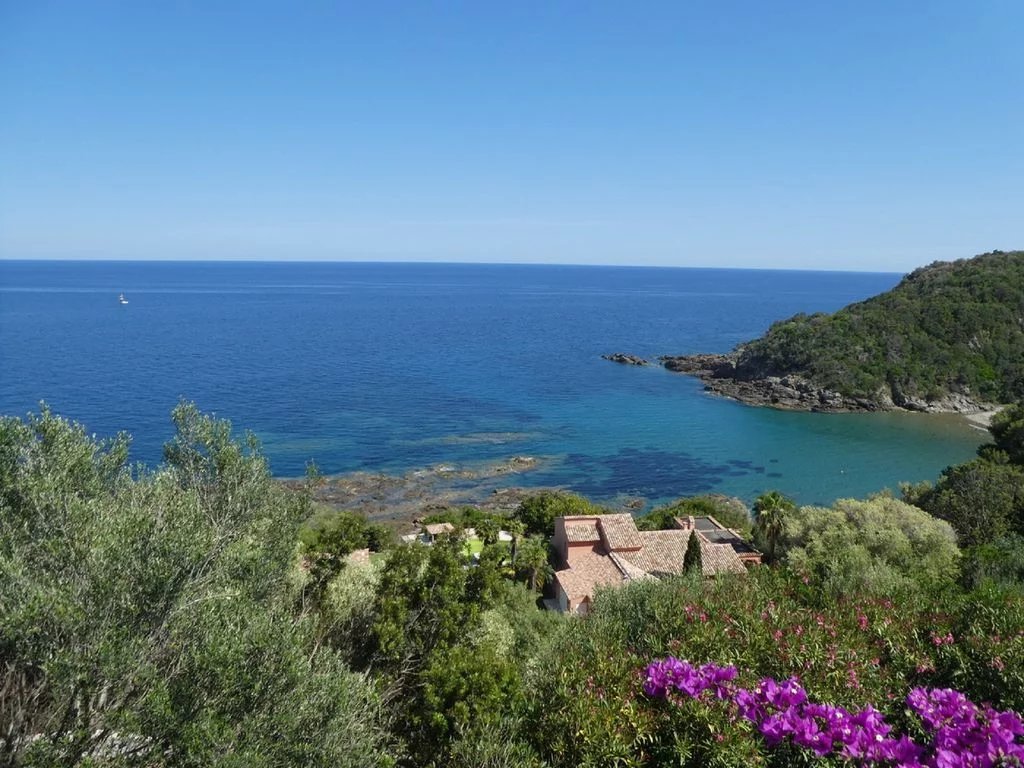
x,y
872,136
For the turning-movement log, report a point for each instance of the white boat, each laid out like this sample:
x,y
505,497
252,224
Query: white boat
x,y
121,299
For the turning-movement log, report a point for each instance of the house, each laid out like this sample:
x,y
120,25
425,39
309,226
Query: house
x,y
606,550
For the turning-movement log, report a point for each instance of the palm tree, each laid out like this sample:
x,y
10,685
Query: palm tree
x,y
532,561
770,511
515,529
488,529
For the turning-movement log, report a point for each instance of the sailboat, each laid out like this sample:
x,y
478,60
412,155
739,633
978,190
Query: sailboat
x,y
121,299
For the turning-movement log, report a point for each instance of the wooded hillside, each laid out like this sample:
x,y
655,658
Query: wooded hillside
x,y
951,328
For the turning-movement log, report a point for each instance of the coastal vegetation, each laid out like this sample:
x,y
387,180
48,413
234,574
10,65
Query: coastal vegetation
x,y
949,336
946,328
730,512
983,500
770,512
202,613
146,615
876,546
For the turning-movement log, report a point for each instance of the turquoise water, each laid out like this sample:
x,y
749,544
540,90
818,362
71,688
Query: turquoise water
x,y
395,366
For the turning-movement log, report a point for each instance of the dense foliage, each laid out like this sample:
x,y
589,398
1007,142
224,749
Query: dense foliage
x,y
202,614
956,731
851,652
947,328
538,512
876,546
148,619
1007,430
983,499
729,511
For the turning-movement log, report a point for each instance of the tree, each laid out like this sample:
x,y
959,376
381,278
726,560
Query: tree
x,y
869,547
420,603
727,510
139,616
1007,429
982,500
693,561
538,513
488,530
770,511
658,519
516,529
533,562
326,540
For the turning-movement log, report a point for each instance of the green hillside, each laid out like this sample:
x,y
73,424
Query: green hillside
x,y
948,328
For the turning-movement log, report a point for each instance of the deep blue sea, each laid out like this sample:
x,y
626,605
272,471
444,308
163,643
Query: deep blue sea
x,y
396,366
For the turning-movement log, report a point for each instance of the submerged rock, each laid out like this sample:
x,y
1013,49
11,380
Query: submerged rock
x,y
620,357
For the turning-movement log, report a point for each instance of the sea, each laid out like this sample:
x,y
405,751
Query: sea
x,y
394,367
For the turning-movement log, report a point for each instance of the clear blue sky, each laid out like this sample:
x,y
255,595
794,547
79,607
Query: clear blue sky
x,y
835,135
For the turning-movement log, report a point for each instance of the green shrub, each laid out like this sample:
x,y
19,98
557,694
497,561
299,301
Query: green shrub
x,y
878,546
154,611
851,650
729,511
538,513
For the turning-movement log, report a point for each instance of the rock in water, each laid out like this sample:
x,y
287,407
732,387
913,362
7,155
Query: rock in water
x,y
625,359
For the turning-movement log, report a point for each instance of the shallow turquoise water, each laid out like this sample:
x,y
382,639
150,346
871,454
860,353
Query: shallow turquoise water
x,y
394,366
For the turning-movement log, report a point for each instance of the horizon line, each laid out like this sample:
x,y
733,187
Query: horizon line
x,y
400,262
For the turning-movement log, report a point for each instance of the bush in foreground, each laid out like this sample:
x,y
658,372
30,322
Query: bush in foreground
x,y
851,651
951,729
145,621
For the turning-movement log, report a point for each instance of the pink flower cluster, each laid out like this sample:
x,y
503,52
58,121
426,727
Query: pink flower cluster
x,y
961,734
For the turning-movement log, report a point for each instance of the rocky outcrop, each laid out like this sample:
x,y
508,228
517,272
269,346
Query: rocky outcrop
x,y
620,357
951,402
793,392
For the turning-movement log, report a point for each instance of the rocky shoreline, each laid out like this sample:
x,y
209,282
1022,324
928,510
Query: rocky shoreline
x,y
398,499
792,392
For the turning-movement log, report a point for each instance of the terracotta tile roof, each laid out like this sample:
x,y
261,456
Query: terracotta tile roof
x,y
630,570
626,554
619,532
719,558
662,552
583,530
588,573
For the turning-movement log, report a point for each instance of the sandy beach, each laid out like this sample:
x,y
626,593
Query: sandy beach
x,y
982,419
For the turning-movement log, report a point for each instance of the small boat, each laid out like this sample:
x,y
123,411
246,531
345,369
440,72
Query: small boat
x,y
121,299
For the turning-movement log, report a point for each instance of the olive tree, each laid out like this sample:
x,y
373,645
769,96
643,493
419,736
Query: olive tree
x,y
870,546
144,619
